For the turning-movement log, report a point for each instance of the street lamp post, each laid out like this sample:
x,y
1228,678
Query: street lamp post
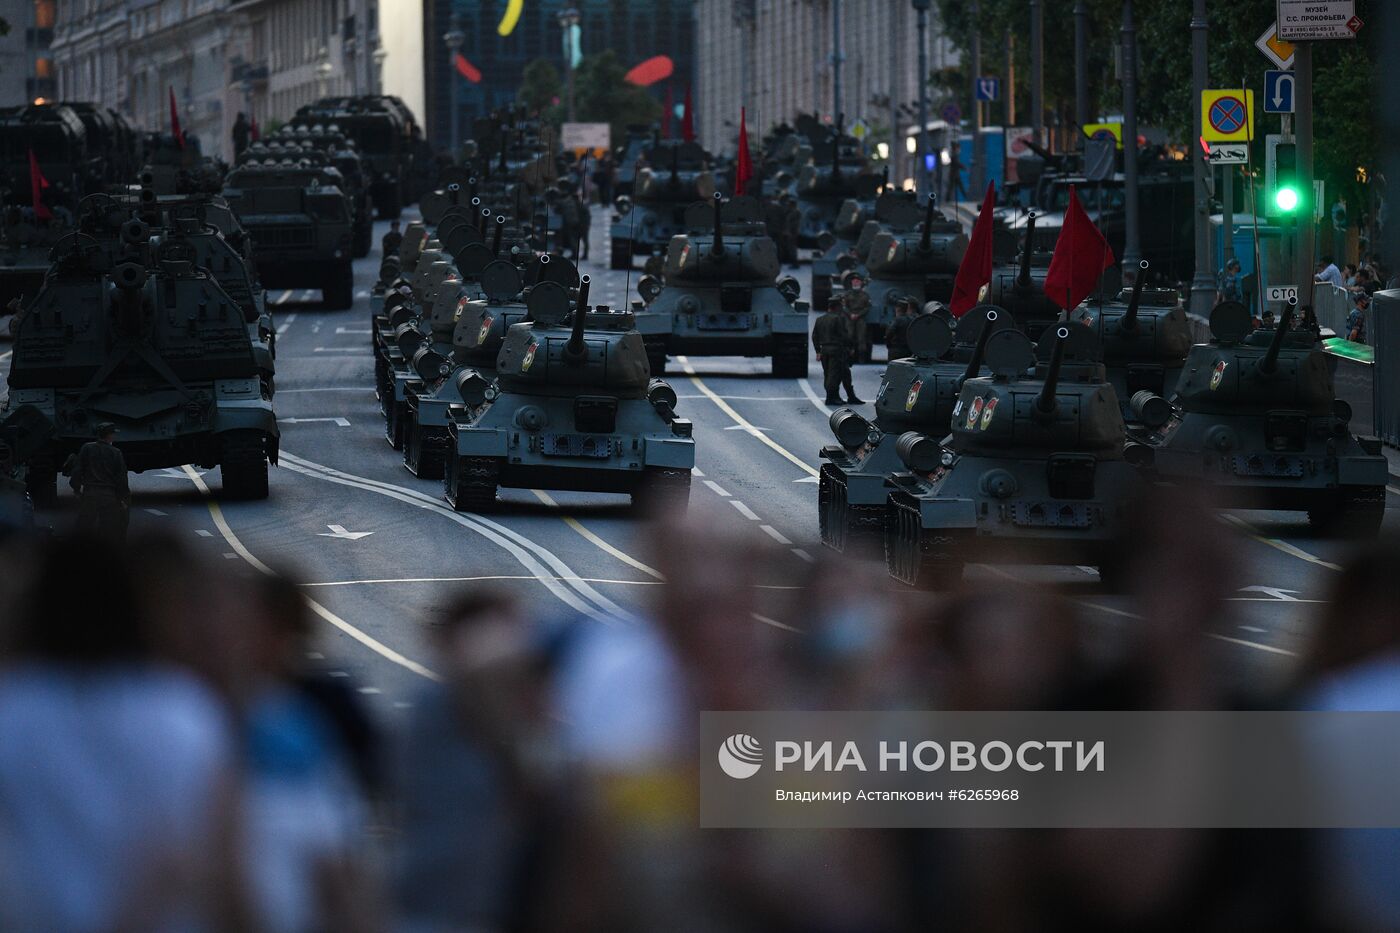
x,y
380,54
323,72
454,37
836,59
1203,282
1132,251
1081,63
976,168
921,170
569,18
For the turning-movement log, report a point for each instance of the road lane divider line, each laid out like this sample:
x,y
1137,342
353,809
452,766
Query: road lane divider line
x,y
717,489
488,578
1216,635
216,512
1277,544
744,510
743,422
812,397
775,534
595,540
532,555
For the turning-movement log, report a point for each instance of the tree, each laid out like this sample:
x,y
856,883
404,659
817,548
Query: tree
x,y
540,87
602,95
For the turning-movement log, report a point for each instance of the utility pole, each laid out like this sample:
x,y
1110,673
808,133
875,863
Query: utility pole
x,y
836,59
1303,220
1081,64
1010,92
1132,251
896,72
976,167
1038,69
921,169
569,19
1203,282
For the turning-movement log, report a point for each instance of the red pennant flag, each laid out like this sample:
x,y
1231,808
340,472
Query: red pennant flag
x,y
976,268
37,184
668,113
743,166
253,130
687,119
1081,255
175,121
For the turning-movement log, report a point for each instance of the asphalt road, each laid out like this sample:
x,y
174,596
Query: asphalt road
x,y
379,549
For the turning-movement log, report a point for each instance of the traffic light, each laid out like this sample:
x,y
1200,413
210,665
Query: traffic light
x,y
1284,195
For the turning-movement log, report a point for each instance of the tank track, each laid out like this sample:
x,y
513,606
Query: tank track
x,y
847,528
663,489
470,483
1357,512
425,450
243,462
41,479
395,418
918,558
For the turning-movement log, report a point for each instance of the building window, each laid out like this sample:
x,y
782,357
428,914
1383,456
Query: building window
x,y
43,14
43,68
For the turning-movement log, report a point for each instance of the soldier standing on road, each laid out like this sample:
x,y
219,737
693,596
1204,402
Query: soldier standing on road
x,y
857,307
831,335
99,479
897,340
392,239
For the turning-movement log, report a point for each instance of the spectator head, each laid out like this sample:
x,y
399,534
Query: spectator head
x,y
1326,261
1268,317
1232,265
1349,269
80,606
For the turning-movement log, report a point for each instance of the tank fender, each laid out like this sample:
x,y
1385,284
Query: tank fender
x,y
947,513
676,453
1362,471
480,442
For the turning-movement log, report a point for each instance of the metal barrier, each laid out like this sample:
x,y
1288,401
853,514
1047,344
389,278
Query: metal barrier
x,y
1383,334
1332,305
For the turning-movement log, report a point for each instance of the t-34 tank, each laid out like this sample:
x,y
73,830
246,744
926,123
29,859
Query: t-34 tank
x,y
838,243
916,394
1145,336
1256,417
574,407
1034,470
824,185
675,176
722,295
1019,287
920,264
152,344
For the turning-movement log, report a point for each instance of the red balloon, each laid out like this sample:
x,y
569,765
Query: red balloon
x,y
466,69
651,71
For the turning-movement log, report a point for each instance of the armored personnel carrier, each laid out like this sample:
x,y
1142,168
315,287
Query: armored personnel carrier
x,y
338,152
1145,336
1256,417
153,344
301,228
673,178
916,394
825,184
722,295
1034,470
573,406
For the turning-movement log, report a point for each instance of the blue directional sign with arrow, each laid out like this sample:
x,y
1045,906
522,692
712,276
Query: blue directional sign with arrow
x,y
988,89
1278,91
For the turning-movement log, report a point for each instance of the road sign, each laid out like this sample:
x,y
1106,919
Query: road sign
x,y
988,89
1228,153
1282,293
951,113
1274,48
1099,161
1278,91
1227,116
1304,20
1113,131
585,136
860,129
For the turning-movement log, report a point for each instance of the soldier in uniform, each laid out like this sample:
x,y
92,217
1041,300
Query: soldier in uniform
x,y
831,335
99,479
392,239
857,303
897,340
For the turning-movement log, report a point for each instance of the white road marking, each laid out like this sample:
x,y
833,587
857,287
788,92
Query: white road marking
x,y
813,397
229,555
1273,592
717,488
353,330
178,473
1275,543
282,298
489,578
339,422
338,350
338,531
775,623
203,533
1393,489
1252,628
368,691
807,479
744,510
339,674
307,293
696,471
741,420
748,428
362,294
154,511
804,555
1252,644
315,656
596,541
774,533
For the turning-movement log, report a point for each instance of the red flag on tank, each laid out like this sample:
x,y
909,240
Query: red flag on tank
x,y
253,132
175,121
743,166
1081,255
37,184
976,268
688,119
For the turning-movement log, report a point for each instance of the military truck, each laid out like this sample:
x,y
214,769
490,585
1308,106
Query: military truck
x,y
153,344
1034,471
326,142
300,226
573,406
673,178
722,295
916,394
1256,418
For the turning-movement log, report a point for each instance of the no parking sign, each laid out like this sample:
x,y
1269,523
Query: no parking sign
x,y
1227,116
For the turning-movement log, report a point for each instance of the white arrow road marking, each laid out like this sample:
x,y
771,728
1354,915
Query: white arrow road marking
x,y
1272,592
178,473
807,479
339,422
282,298
338,531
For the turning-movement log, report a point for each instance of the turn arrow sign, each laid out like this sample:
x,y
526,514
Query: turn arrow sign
x,y
338,531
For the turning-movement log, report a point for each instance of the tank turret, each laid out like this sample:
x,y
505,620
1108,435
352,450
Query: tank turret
x,y
1019,287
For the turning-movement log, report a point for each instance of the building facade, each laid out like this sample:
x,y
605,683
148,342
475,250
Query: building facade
x,y
26,63
775,58
635,29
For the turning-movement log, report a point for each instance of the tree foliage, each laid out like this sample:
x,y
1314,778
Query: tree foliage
x,y
540,86
601,93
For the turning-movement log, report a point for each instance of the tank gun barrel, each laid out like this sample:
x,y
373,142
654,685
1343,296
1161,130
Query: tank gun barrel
x,y
926,241
1130,317
1045,404
575,349
484,219
496,235
979,351
718,248
1023,278
1269,363
471,186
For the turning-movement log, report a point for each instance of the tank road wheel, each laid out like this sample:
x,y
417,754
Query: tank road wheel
x,y
790,356
656,355
470,482
621,255
381,381
41,479
338,292
1356,512
243,462
425,450
662,489
930,561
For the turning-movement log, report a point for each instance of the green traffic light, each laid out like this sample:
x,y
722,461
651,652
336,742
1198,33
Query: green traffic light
x,y
1286,199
